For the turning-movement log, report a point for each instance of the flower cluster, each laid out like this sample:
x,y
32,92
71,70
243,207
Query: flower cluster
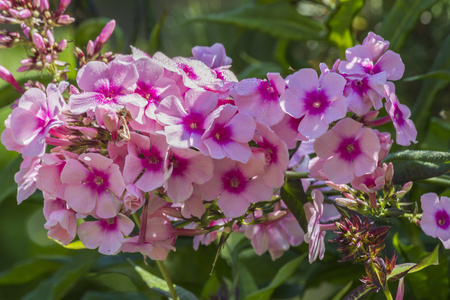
x,y
151,140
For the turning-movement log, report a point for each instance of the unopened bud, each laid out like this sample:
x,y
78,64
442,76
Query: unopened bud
x,y
370,116
408,186
20,14
4,5
389,171
7,20
64,20
51,38
44,6
25,30
90,48
62,45
6,75
106,32
62,6
38,41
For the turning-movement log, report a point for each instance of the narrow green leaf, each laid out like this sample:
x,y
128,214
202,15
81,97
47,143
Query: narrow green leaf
x,y
159,285
410,165
154,35
340,23
282,275
359,292
432,74
343,291
431,86
27,271
401,19
294,197
279,19
92,295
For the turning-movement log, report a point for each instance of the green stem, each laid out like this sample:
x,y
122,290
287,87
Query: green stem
x,y
165,274
293,174
387,293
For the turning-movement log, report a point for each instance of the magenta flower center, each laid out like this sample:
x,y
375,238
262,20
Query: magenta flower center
x,y
267,91
442,219
222,134
179,165
97,181
349,149
234,181
151,159
189,71
316,102
193,122
398,115
360,86
147,91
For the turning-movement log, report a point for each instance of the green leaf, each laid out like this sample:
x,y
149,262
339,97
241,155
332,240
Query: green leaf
x,y
282,275
431,86
376,270
438,135
77,245
343,291
29,270
154,35
57,286
401,19
7,184
294,197
359,292
279,19
432,74
159,285
340,23
410,165
91,295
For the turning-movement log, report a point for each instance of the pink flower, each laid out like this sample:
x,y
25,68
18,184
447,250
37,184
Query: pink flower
x,y
260,98
186,167
348,150
400,113
213,57
61,220
364,91
436,216
237,186
229,133
376,45
318,105
33,118
315,236
107,235
185,122
144,164
287,130
26,177
108,85
94,185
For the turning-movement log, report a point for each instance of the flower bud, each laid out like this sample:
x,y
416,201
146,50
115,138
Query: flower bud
x,y
106,32
44,5
6,75
62,6
90,48
38,41
62,45
64,20
4,5
51,38
20,14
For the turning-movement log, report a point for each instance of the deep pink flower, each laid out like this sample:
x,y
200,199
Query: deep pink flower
x,y
228,134
260,98
319,105
33,118
185,121
436,216
144,164
107,235
109,85
349,150
186,167
237,186
94,185
400,113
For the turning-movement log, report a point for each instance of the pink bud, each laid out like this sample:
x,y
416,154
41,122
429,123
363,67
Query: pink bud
x,y
44,5
64,20
389,171
90,48
51,38
408,186
48,58
25,30
74,90
20,14
6,75
62,45
6,20
37,3
4,5
62,6
106,32
38,40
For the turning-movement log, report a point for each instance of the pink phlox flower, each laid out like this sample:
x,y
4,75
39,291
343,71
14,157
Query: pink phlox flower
x,y
315,167
260,98
186,167
107,235
94,185
117,151
400,113
436,217
36,114
208,238
153,86
193,206
7,138
238,185
348,150
376,45
287,130
325,70
360,61
276,155
61,221
185,121
385,144
300,159
144,164
370,183
319,105
228,134
26,177
315,236
213,57
109,85
133,199
109,120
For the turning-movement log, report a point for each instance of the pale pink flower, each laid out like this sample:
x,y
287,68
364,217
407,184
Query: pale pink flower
x,y
349,150
61,220
287,130
108,85
107,235
213,57
228,134
94,185
315,236
436,217
319,105
364,91
400,113
186,167
36,114
144,164
185,121
26,177
237,186
260,98
193,206
133,199
376,45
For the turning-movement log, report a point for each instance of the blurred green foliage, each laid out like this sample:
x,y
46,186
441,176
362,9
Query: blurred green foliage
x,y
260,36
